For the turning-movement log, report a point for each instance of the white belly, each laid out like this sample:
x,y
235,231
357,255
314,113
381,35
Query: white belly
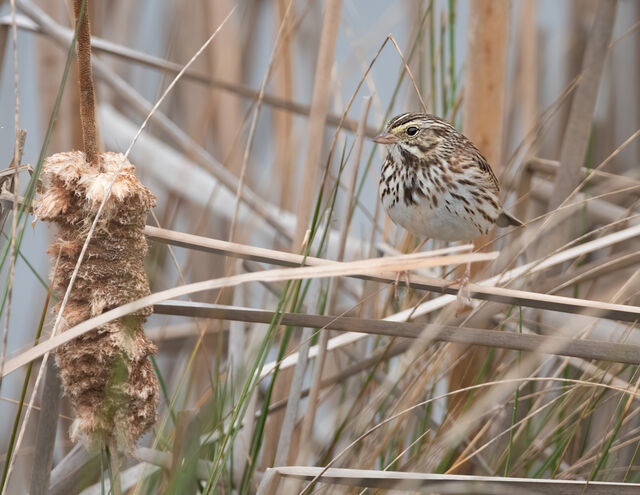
x,y
424,221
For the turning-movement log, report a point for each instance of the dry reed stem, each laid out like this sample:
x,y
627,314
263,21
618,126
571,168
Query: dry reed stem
x,y
591,271
4,212
270,256
47,423
309,418
254,122
562,346
487,42
485,77
493,397
551,219
18,150
226,56
373,360
132,55
524,370
35,408
576,136
368,267
371,268
286,259
87,94
615,298
46,433
64,476
187,175
550,167
601,165
283,120
283,383
4,35
115,465
317,119
139,104
293,400
528,54
526,95
50,59
598,210
526,268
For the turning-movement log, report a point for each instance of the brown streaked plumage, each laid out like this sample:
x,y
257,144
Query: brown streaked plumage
x,y
435,183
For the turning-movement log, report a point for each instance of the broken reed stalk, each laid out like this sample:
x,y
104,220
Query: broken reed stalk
x,y
87,94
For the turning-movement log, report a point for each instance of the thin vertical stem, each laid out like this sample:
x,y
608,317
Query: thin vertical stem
x,y
349,202
309,419
283,121
269,483
114,467
575,143
485,77
527,90
443,64
432,57
18,150
30,192
295,393
15,163
87,94
483,118
317,119
46,433
452,55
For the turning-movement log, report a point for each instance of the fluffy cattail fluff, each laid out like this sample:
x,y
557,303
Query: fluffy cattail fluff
x,y
106,373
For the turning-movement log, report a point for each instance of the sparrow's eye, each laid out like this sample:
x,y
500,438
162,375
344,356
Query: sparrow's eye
x,y
412,131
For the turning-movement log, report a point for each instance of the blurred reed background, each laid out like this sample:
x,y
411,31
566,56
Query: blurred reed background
x,y
264,143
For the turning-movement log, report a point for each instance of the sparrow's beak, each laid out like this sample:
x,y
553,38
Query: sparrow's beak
x,y
386,138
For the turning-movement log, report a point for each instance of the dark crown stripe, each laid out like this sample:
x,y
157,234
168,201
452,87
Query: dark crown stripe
x,y
434,121
404,118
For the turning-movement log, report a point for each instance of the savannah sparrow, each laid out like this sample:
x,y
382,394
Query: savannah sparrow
x,y
435,183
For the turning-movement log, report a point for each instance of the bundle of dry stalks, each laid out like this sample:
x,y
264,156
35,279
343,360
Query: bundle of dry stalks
x,y
106,373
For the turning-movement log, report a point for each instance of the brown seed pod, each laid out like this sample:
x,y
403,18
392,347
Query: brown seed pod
x,y
106,373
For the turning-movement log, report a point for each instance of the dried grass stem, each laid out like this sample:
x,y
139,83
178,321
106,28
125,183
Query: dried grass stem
x,y
87,94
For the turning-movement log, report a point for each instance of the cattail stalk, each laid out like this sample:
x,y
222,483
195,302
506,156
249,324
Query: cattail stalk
x,y
87,94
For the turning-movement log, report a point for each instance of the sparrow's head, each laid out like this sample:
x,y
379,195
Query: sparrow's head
x,y
418,133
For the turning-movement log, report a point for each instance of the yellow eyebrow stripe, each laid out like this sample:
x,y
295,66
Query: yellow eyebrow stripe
x,y
403,127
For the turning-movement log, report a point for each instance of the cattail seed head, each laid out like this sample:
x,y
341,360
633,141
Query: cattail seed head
x,y
106,373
